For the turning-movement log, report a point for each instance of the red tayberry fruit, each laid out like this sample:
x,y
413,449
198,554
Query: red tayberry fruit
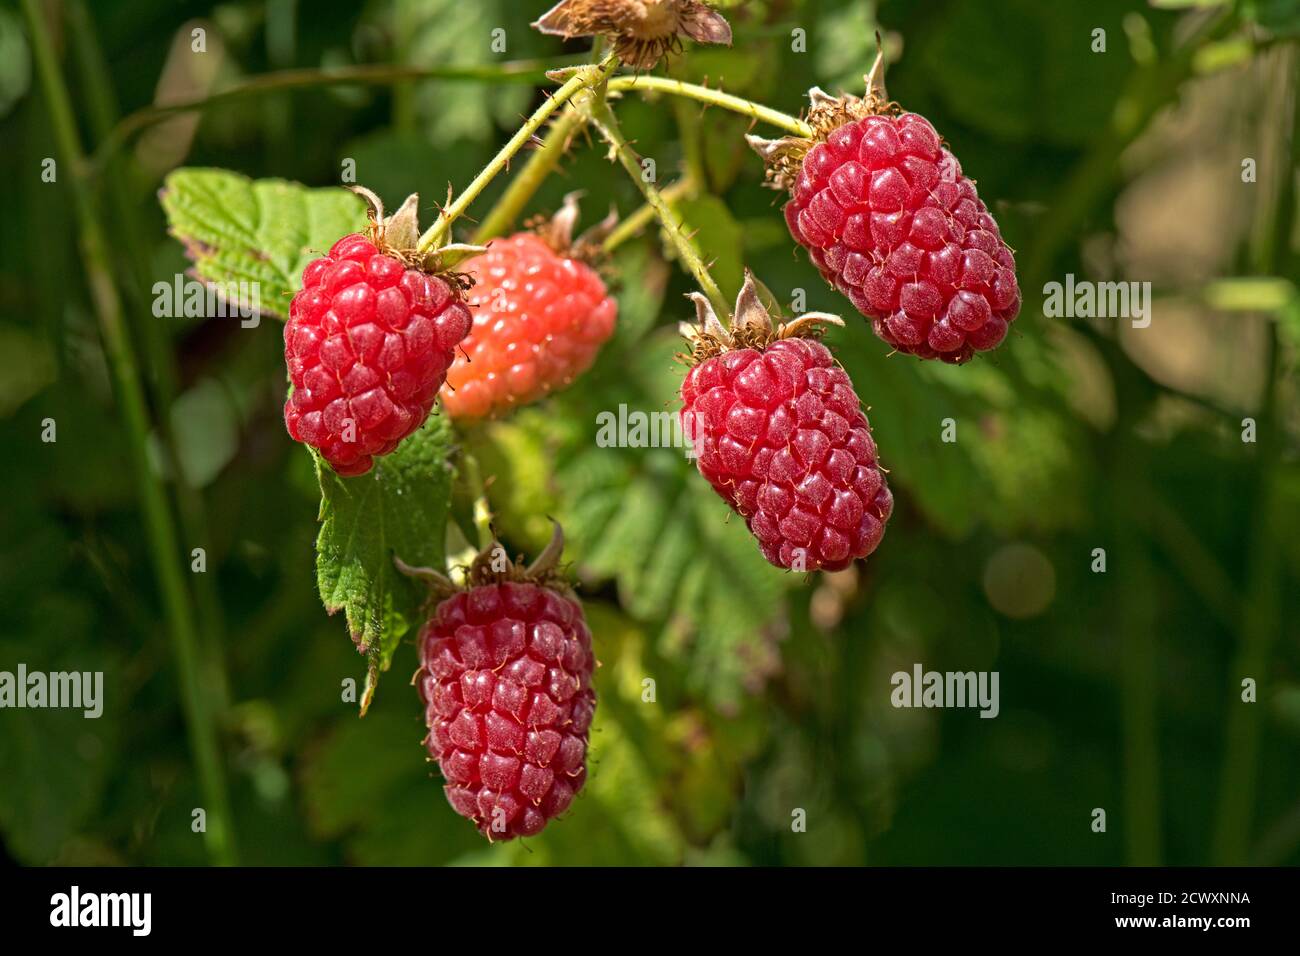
x,y
368,343
889,219
780,434
505,675
540,317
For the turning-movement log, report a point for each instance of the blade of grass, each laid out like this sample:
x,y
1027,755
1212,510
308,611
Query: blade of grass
x,y
163,388
518,71
159,528
1260,611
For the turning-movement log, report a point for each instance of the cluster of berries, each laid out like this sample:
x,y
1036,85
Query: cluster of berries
x,y
379,330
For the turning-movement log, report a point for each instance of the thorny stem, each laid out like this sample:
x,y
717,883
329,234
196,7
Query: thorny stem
x,y
540,165
603,118
755,111
633,224
583,79
524,186
159,527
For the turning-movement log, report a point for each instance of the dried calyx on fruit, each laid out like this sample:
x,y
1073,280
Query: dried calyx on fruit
x,y
541,313
784,157
370,337
398,236
557,232
750,327
889,219
505,674
780,434
641,31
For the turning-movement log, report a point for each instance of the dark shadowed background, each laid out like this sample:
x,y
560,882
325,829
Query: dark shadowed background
x,y
1119,690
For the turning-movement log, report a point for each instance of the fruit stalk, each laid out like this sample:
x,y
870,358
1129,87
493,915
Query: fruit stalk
x,y
584,79
159,526
603,119
703,94
501,217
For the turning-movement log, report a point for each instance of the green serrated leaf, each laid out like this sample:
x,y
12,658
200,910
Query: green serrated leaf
x,y
261,233
399,508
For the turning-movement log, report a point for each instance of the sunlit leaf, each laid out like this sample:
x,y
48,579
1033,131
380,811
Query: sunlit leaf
x,y
398,508
254,237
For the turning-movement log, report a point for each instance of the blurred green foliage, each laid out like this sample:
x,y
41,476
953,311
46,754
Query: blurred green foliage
x,y
771,692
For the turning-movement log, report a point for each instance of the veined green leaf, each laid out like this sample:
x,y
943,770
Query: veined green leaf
x,y
258,233
399,508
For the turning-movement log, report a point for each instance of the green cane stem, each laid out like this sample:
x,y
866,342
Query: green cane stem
x,y
603,119
523,187
703,94
584,79
633,224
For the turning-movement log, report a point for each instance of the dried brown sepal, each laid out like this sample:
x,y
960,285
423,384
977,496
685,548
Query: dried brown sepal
x,y
641,31
493,566
750,326
557,232
783,157
398,236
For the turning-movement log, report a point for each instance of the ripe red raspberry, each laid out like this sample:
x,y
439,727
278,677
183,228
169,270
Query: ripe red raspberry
x,y
368,343
890,220
782,437
540,317
505,675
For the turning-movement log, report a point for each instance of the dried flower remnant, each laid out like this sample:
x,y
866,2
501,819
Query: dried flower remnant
x,y
642,31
